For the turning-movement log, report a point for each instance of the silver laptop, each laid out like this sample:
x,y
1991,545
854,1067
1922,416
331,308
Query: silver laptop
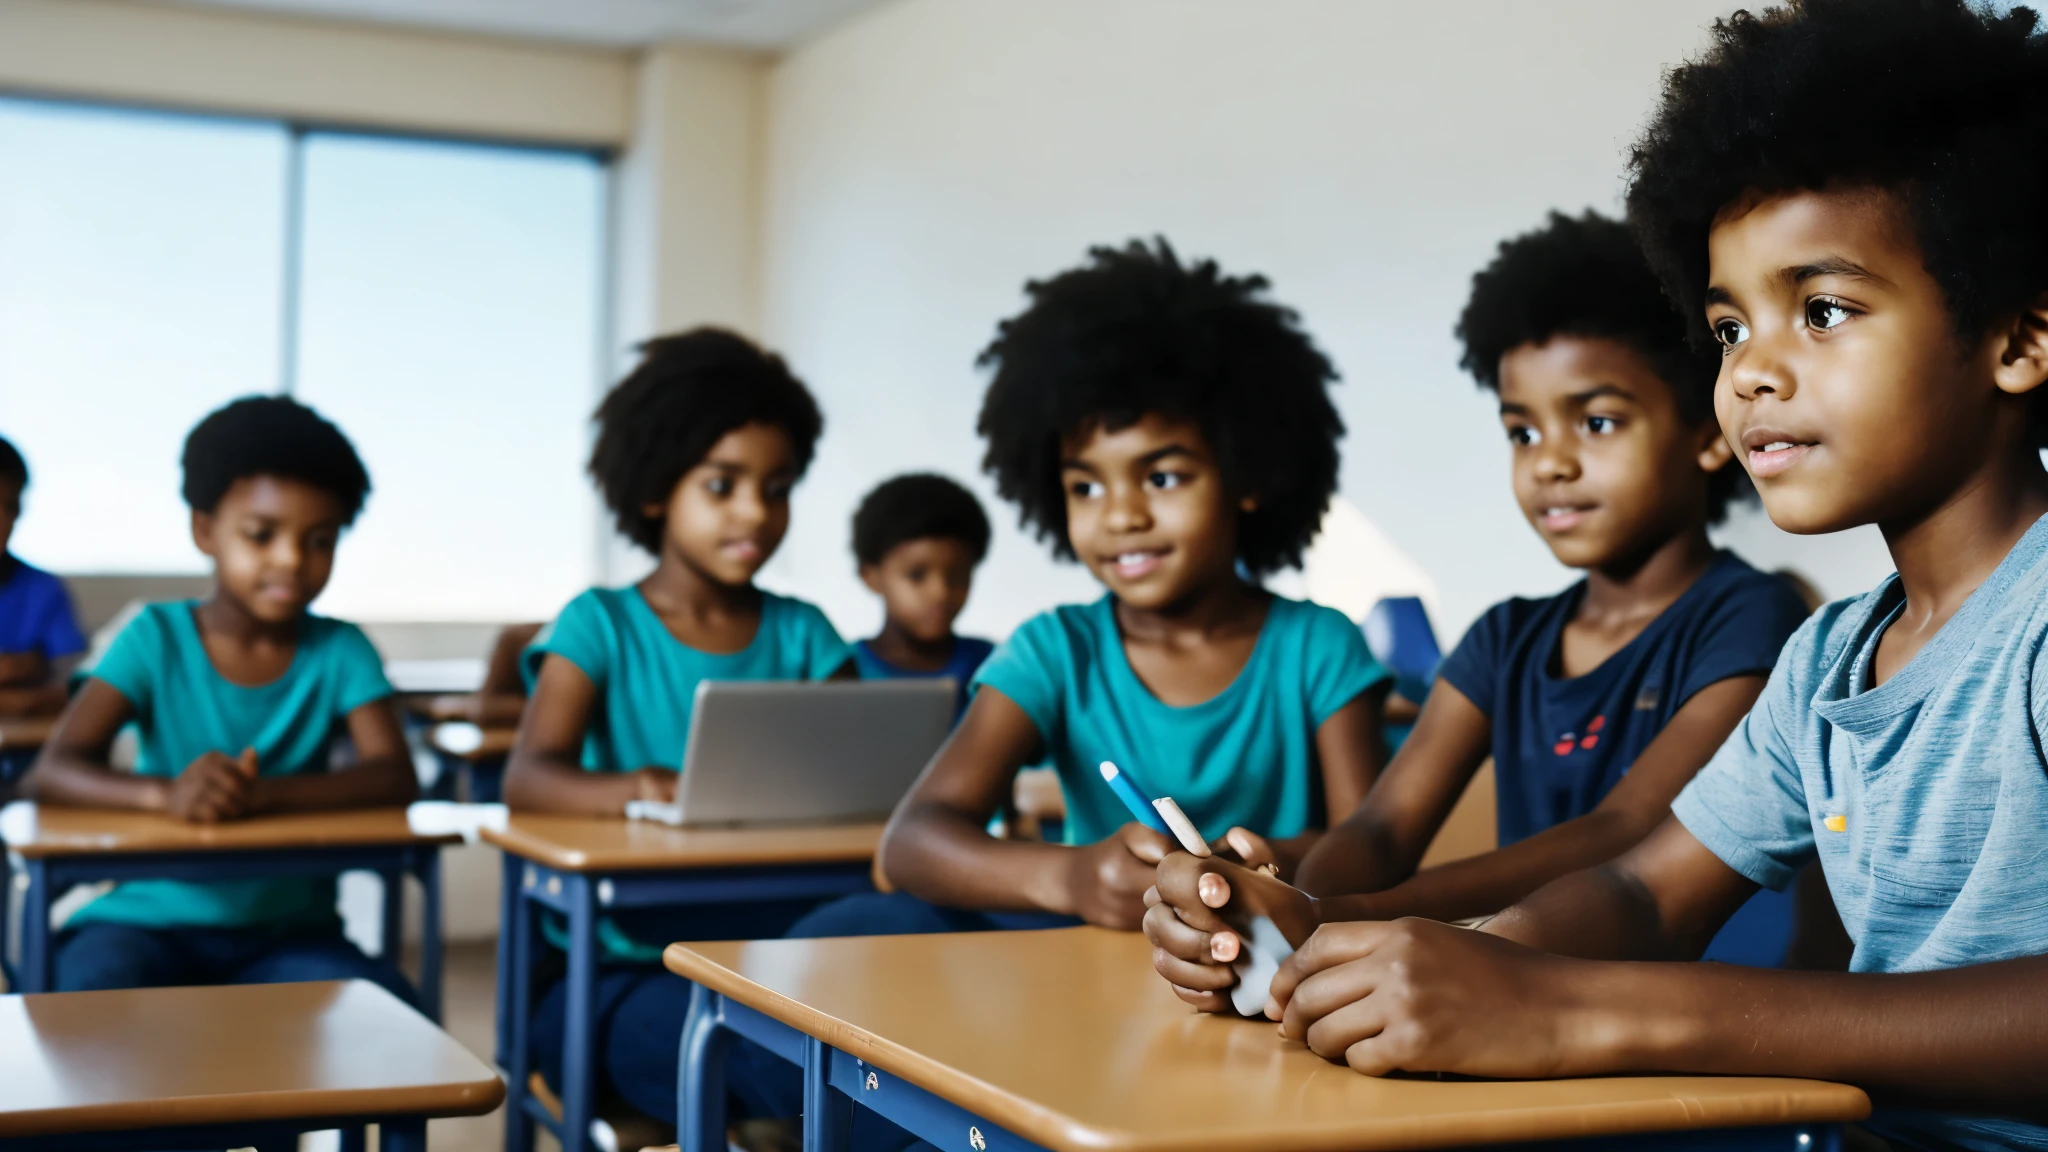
x,y
772,752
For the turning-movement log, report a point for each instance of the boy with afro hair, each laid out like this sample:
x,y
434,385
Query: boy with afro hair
x,y
917,540
1847,196
1169,427
237,699
1596,704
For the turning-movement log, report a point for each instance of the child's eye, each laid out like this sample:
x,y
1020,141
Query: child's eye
x,y
1521,436
1164,480
1085,489
719,485
916,575
323,542
1823,313
260,536
1730,332
778,490
1601,425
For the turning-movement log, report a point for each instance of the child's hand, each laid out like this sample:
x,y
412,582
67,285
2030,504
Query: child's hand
x,y
656,784
213,788
1252,850
1107,880
23,669
1192,945
1415,995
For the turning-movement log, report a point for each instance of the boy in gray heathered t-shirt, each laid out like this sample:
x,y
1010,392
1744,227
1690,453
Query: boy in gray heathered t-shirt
x,y
1848,193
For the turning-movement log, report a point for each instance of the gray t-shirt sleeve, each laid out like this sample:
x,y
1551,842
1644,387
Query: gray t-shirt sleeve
x,y
1748,805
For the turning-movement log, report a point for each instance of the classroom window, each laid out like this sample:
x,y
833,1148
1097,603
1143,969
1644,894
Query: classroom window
x,y
449,323
140,286
441,300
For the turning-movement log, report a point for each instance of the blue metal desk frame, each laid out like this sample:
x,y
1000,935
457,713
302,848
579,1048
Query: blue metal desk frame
x,y
396,1134
583,897
50,877
834,1081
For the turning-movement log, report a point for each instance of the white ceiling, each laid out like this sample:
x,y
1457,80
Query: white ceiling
x,y
763,24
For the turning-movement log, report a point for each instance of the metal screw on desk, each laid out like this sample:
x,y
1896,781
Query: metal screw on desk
x,y
873,1083
532,877
554,885
604,892
975,1141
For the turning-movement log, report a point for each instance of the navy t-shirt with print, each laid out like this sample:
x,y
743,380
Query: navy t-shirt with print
x,y
1561,744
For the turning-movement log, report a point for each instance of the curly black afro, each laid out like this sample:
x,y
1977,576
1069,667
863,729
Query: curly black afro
x,y
1584,276
1940,103
919,506
272,436
12,467
1135,331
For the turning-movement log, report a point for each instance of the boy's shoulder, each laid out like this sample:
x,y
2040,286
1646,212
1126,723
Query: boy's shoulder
x,y
25,580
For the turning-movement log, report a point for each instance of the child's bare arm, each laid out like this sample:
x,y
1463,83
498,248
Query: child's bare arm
x,y
1499,1003
23,669
72,768
545,771
937,845
381,776
1380,843
1632,810
1351,748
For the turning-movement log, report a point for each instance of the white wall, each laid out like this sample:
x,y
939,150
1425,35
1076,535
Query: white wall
x,y
926,159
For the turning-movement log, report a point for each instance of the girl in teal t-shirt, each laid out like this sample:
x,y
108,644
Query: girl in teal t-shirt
x,y
696,454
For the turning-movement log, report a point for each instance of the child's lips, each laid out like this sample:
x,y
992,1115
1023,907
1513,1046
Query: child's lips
x,y
1775,458
1564,517
742,549
1136,565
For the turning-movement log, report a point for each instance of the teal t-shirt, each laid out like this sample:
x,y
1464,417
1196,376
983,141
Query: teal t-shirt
x,y
184,708
647,680
1246,756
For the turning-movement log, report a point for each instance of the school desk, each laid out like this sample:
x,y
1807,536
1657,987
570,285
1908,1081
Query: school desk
x,y
1066,1039
471,758
582,867
58,849
21,737
227,1067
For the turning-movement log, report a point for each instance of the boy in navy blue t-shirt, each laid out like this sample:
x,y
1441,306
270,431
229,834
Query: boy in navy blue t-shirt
x,y
918,539
1597,704
39,636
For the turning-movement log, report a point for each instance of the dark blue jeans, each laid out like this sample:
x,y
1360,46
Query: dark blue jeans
x,y
95,956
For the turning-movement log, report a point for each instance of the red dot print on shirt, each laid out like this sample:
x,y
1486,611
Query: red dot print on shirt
x,y
1564,745
1598,723
1589,742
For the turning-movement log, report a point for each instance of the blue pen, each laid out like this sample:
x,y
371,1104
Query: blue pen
x,y
1140,806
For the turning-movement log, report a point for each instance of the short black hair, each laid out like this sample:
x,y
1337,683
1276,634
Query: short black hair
x,y
689,390
1584,276
1941,103
918,506
12,466
271,436
1132,331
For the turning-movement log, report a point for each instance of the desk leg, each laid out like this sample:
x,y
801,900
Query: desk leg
x,y
431,929
8,970
515,1004
700,1095
579,1076
391,937
408,1135
828,1115
35,928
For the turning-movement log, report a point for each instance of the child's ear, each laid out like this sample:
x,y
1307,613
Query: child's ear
x,y
2023,363
202,532
871,575
1715,452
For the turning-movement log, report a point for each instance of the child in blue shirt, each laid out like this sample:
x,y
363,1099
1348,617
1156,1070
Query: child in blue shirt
x,y
918,540
1596,704
1170,428
1879,291
237,699
39,636
697,452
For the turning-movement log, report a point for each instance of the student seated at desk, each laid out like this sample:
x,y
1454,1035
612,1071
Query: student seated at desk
x,y
39,636
1169,427
697,451
1599,703
1879,289
237,699
918,539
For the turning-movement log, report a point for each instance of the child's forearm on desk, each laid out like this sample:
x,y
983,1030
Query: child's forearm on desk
x,y
940,856
371,784
75,781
